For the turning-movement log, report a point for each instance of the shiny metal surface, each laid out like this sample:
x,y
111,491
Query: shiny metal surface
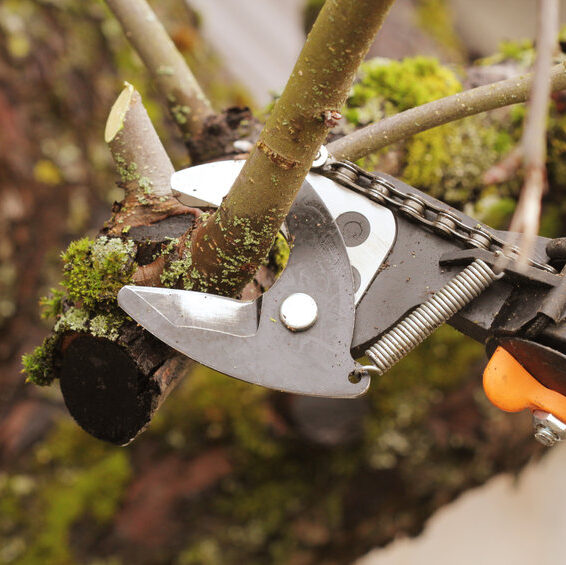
x,y
206,185
298,312
242,339
548,429
195,310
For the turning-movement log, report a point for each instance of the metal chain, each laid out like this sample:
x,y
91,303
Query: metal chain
x,y
438,219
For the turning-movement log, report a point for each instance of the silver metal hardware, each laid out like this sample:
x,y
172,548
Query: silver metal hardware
x,y
298,312
413,207
548,429
206,185
422,322
435,217
445,223
321,158
241,338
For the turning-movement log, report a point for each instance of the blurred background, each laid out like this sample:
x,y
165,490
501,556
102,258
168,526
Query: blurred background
x,y
229,473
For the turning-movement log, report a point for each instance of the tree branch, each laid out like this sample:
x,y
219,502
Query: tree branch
x,y
114,381
245,225
187,104
533,141
410,122
143,165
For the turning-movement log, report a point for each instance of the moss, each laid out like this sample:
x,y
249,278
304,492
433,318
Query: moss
x,y
93,273
38,365
447,161
95,270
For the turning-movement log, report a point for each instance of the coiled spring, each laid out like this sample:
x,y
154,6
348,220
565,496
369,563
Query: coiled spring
x,y
422,322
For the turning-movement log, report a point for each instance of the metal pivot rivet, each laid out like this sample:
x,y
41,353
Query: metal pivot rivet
x,y
321,158
298,312
354,227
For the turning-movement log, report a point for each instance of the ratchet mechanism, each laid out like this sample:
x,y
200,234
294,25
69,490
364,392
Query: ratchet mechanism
x,y
375,267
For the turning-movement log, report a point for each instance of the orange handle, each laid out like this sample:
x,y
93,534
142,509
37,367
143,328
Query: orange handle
x,y
509,386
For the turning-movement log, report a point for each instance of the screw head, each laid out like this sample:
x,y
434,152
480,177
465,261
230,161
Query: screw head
x,y
548,429
298,312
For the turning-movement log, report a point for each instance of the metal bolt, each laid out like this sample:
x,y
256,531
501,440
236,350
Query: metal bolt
x,y
321,157
298,312
548,429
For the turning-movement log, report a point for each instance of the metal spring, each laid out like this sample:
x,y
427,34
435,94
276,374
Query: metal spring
x,y
422,322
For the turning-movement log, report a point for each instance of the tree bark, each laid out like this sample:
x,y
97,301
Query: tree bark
x,y
113,386
244,227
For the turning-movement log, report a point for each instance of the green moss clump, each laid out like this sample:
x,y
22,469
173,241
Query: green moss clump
x,y
95,270
38,365
93,273
446,161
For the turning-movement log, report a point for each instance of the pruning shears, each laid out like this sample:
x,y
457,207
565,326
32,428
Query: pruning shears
x,y
375,267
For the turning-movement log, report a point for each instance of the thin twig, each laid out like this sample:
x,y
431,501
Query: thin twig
x,y
405,124
533,141
188,105
505,169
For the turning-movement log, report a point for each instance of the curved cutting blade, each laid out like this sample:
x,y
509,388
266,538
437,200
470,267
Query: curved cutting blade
x,y
247,340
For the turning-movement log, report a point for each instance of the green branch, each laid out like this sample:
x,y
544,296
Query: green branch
x,y
410,122
187,104
227,249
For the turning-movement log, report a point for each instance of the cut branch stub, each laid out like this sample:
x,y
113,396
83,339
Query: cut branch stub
x,y
187,104
143,165
112,389
112,386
